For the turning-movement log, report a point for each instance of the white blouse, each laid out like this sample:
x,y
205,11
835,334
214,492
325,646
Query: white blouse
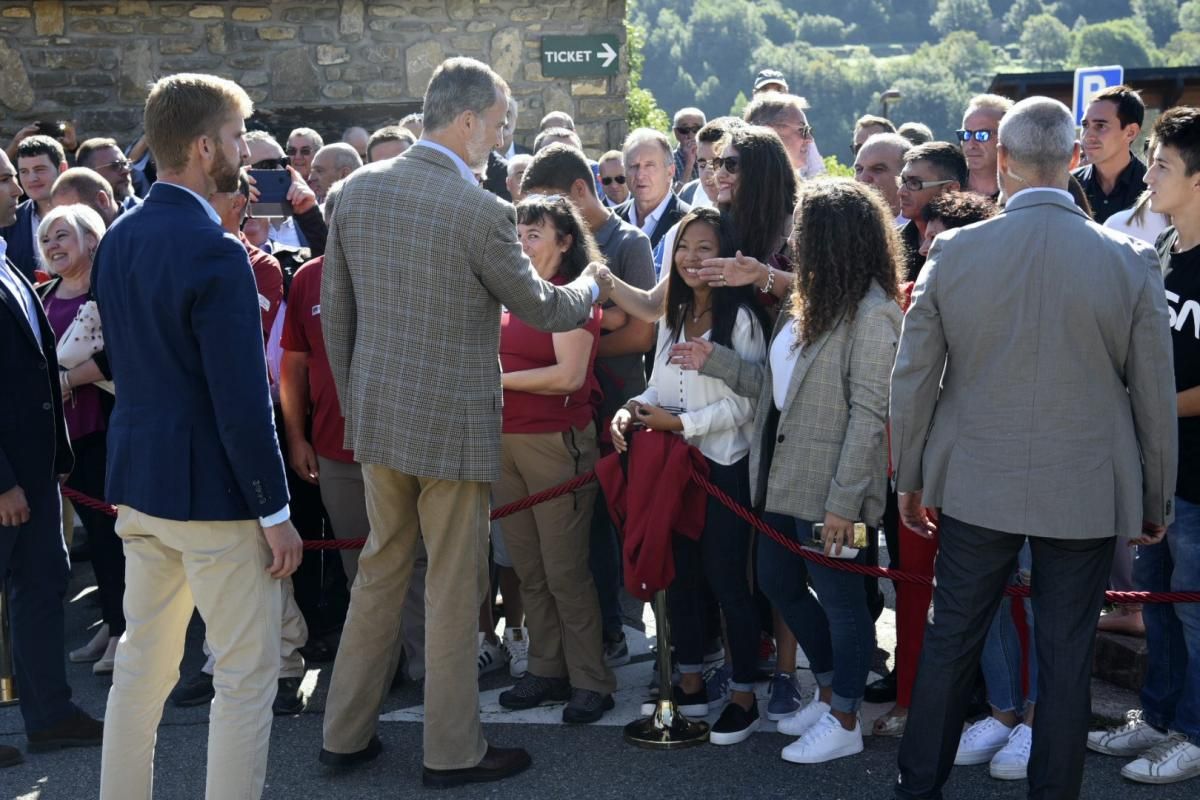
x,y
715,419
783,363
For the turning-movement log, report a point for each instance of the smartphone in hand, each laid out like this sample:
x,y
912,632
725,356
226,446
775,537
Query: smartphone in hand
x,y
273,186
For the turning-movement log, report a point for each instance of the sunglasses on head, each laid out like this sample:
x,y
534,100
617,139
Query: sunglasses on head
x,y
271,163
620,179
681,130
979,136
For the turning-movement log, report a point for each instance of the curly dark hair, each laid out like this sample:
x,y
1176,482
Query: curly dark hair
x,y
565,218
956,209
726,300
765,193
844,238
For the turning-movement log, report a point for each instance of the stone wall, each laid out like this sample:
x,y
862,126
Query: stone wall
x,y
326,64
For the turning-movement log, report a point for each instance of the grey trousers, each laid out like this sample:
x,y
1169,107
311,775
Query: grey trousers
x,y
973,566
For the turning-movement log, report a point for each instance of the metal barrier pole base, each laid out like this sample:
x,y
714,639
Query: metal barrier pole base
x,y
8,683
666,729
8,692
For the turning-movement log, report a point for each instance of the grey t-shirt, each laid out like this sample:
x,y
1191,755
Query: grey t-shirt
x,y
627,251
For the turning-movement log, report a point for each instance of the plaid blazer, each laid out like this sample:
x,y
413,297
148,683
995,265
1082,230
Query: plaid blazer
x,y
826,450
417,264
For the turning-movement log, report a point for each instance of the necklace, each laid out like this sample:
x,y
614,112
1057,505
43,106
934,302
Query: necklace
x,y
697,317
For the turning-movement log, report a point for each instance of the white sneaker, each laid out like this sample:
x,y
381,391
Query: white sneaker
x,y
1012,762
1131,739
516,642
107,661
825,741
799,723
981,741
1173,760
491,656
93,649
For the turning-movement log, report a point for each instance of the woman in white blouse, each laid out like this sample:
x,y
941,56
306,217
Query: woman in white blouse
x,y
719,422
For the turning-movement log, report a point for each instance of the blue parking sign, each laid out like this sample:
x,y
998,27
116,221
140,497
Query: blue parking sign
x,y
1090,81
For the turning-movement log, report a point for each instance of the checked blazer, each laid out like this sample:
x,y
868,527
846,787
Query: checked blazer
x,y
826,450
417,265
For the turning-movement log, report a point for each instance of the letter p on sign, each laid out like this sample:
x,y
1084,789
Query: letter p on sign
x,y
1090,81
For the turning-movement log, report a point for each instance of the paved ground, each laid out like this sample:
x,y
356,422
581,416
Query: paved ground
x,y
592,761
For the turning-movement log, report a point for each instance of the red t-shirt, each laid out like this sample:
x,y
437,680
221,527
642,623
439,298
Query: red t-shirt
x,y
302,334
268,277
525,347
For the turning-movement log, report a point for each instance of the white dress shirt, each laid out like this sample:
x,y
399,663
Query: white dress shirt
x,y
17,288
651,221
715,418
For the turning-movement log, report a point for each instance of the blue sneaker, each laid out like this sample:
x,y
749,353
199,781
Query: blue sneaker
x,y
784,697
716,683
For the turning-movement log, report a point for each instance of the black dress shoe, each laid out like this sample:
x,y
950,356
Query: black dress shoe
x,y
882,690
10,756
195,691
77,731
344,761
498,763
288,699
318,651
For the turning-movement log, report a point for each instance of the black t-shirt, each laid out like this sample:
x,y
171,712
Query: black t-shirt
x,y
1183,299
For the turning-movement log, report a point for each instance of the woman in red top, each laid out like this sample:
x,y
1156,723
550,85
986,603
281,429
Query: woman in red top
x,y
68,237
549,436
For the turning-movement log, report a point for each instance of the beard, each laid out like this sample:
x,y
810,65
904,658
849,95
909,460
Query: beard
x,y
478,150
224,173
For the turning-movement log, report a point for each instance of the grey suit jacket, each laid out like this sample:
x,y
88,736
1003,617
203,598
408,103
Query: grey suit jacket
x,y
830,445
1033,391
417,264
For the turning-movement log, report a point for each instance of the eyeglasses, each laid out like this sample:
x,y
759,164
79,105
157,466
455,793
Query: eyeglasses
x,y
730,163
690,130
979,136
620,179
917,185
804,131
272,163
122,164
303,151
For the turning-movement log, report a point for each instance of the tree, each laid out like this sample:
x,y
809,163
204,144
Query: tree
x,y
1045,41
1189,16
1183,50
643,110
961,15
1160,16
822,29
1118,41
1019,12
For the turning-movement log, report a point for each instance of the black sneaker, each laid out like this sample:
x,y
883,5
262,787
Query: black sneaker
x,y
587,706
694,704
735,724
288,699
882,690
196,691
532,690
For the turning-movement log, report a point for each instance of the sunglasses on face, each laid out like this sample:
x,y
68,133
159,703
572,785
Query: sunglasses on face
x,y
620,179
271,163
729,163
686,131
979,136
303,151
917,185
122,164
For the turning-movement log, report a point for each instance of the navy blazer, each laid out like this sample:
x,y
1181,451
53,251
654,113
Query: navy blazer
x,y
22,250
674,212
34,447
192,436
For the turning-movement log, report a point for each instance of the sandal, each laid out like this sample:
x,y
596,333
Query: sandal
x,y
892,723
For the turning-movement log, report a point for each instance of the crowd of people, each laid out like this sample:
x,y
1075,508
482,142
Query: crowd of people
x,y
978,349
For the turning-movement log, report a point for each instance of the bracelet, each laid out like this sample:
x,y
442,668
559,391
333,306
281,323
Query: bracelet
x,y
64,379
770,284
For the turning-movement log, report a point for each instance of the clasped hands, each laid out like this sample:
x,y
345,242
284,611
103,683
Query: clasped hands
x,y
644,414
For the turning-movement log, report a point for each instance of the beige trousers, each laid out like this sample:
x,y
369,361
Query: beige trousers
x,y
452,518
293,634
219,568
549,545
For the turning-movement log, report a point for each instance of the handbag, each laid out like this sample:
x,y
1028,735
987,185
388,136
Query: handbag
x,y
82,340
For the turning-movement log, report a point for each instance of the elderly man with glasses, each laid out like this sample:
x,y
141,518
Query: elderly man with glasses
x,y
977,137
105,157
688,122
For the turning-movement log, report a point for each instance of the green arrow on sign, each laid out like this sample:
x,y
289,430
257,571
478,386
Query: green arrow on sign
x,y
577,56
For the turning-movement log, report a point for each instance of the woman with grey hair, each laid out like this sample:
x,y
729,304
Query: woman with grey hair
x,y
68,237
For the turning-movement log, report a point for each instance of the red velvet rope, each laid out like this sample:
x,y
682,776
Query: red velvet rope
x,y
743,512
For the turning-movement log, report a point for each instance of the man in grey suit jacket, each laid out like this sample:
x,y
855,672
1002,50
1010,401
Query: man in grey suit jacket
x,y
418,261
1032,396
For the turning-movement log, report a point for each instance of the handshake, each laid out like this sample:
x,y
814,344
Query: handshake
x,y
603,278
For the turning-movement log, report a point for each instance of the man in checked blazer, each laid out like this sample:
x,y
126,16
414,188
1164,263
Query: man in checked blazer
x,y
419,259
1032,396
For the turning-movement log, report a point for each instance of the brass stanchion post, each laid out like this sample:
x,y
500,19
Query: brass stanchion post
x,y
666,728
8,682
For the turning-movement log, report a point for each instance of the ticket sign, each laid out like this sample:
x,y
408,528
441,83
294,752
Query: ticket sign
x,y
1090,81
580,56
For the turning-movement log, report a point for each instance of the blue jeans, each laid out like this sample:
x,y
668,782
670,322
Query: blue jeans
x,y
1171,692
836,632
1001,659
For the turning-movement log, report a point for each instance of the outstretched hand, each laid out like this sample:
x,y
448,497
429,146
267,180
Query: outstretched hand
x,y
737,271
